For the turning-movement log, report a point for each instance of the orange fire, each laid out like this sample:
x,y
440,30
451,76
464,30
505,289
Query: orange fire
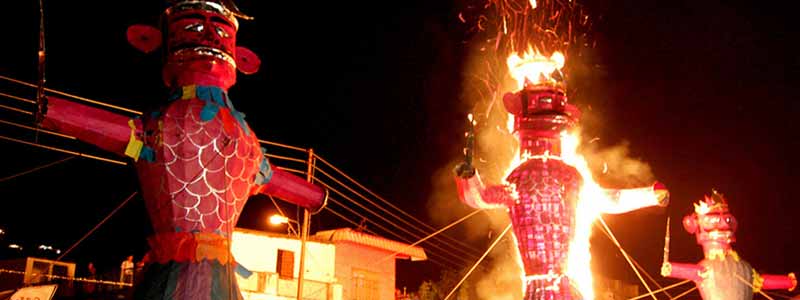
x,y
534,68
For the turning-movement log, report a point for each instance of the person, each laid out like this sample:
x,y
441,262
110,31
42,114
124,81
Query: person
x,y
126,270
90,288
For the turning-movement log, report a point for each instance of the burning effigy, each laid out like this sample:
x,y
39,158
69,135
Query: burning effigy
x,y
197,159
722,274
549,191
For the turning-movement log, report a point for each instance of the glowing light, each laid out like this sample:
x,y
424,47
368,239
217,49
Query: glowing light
x,y
533,4
278,219
534,68
15,246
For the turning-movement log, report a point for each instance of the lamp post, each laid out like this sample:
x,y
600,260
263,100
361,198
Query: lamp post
x,y
304,229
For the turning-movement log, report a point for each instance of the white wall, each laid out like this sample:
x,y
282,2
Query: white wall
x,y
259,252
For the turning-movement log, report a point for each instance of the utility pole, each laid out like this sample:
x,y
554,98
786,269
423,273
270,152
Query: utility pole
x,y
304,229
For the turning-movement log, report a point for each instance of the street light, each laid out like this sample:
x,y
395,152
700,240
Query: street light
x,y
279,219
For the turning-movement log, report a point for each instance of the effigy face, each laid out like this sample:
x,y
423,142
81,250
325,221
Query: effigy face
x,y
543,218
200,45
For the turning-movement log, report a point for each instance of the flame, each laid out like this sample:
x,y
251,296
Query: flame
x,y
534,67
701,208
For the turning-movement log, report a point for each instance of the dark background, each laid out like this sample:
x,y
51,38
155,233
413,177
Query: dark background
x,y
705,92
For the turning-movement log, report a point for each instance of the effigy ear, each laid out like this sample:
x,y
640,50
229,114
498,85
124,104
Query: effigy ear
x,y
246,61
690,223
145,38
512,103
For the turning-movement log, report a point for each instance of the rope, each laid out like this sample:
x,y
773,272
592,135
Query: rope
x,y
627,257
97,226
36,169
661,290
64,151
80,279
430,235
752,287
685,293
478,262
641,269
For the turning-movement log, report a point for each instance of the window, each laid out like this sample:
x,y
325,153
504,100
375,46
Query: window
x,y
285,265
365,285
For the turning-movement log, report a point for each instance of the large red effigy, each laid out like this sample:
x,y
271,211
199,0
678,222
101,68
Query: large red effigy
x,y
197,159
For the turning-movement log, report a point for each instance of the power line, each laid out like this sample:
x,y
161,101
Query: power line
x,y
384,210
384,229
37,168
385,220
466,246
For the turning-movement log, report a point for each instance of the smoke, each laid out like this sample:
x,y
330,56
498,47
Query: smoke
x,y
615,167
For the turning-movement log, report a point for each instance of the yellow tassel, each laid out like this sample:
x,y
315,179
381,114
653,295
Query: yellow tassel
x,y
189,92
758,282
134,147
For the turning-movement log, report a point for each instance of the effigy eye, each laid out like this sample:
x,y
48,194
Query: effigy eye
x,y
196,27
221,32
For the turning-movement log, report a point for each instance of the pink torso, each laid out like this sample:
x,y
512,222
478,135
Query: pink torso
x,y
544,213
203,171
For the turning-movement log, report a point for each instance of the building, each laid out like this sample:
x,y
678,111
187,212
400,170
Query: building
x,y
339,264
365,263
274,261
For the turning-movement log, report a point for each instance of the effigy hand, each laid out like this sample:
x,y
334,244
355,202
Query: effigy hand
x,y
464,170
662,194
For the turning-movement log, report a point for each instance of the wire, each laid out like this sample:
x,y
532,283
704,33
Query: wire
x,y
466,246
382,209
97,226
37,168
18,98
283,145
64,151
38,130
72,96
384,229
16,110
415,236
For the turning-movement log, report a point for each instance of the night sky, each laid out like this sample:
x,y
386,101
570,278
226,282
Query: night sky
x,y
704,92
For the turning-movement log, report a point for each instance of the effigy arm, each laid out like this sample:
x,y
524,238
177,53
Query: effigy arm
x,y
682,271
472,192
625,200
774,282
112,132
288,187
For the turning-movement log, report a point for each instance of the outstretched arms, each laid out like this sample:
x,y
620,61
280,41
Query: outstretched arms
x,y
288,187
775,282
472,192
626,200
682,271
112,132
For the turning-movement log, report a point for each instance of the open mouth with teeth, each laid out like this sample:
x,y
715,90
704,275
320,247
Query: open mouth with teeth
x,y
189,53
